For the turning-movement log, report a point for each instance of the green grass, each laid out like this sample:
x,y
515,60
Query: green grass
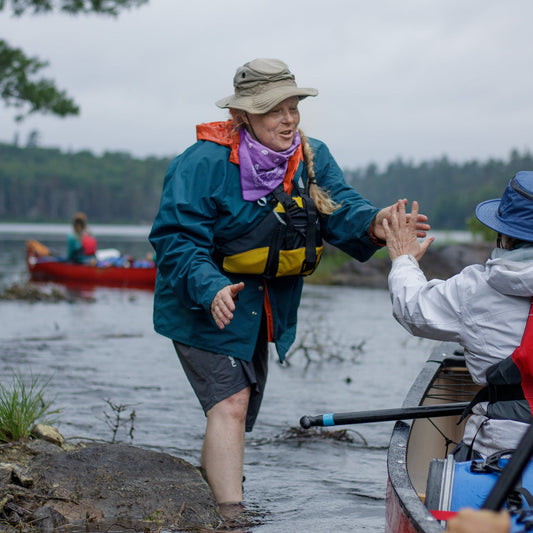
x,y
22,405
332,259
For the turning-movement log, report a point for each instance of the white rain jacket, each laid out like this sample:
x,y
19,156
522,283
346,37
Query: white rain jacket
x,y
484,308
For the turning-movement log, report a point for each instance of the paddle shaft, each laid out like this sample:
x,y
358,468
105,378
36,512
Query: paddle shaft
x,y
384,415
511,473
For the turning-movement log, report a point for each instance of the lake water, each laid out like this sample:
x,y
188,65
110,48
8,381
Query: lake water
x,y
101,348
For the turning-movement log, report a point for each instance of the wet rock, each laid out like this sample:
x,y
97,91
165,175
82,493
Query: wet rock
x,y
103,484
21,476
6,469
4,500
47,518
31,293
15,513
36,446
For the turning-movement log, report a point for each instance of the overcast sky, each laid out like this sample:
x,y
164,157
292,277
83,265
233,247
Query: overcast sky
x,y
416,79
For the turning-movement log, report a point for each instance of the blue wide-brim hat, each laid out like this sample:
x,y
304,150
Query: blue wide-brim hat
x,y
512,215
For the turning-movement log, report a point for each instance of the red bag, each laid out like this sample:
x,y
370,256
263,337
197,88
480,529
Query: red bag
x,y
88,244
523,359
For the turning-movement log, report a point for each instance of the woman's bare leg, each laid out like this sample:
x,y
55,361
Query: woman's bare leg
x,y
223,447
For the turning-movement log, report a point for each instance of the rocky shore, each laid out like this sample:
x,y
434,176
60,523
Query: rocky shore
x,y
439,262
46,485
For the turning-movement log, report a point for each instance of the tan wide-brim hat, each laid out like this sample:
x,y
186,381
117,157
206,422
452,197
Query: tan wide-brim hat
x,y
262,84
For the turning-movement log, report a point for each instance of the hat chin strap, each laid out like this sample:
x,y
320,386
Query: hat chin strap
x,y
251,127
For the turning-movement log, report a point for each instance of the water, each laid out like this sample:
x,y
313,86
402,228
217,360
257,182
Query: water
x,y
103,350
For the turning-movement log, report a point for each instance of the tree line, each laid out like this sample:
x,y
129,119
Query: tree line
x,y
448,192
49,185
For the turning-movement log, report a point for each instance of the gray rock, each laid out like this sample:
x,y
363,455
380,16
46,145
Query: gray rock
x,y
47,433
6,469
37,446
47,519
22,476
107,482
439,262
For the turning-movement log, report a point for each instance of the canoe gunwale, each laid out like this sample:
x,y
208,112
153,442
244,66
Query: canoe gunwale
x,y
406,513
401,495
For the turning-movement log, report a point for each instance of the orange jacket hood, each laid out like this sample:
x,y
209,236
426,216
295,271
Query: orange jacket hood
x,y
225,134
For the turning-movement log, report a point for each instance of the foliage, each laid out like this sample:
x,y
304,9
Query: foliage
x,y
48,185
447,192
332,259
18,89
21,406
19,85
108,7
477,229
44,184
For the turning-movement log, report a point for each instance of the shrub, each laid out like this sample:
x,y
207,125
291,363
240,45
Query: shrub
x,y
477,229
22,405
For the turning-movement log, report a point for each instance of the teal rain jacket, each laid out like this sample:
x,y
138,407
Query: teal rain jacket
x,y
201,204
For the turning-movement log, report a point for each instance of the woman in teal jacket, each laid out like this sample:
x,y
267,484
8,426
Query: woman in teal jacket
x,y
227,183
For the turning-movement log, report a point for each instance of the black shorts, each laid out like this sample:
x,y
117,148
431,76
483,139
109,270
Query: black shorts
x,y
215,377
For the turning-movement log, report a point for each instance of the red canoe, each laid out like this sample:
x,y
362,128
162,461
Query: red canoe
x,y
44,267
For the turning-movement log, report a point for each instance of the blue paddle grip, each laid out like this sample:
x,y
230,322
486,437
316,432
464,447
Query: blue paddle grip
x,y
327,420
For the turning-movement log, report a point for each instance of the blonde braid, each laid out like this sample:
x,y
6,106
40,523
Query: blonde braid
x,y
323,201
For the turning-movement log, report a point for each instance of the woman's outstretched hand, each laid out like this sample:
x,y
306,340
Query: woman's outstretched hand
x,y
223,304
402,232
421,224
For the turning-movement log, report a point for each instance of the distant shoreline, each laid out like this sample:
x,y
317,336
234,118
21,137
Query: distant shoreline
x,y
31,229
440,262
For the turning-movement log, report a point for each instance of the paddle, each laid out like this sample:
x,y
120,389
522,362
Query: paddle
x,y
384,415
511,473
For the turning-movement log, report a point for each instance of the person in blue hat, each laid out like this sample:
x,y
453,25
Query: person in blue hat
x,y
484,308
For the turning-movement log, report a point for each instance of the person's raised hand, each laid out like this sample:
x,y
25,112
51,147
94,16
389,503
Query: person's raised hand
x,y
421,224
401,233
223,304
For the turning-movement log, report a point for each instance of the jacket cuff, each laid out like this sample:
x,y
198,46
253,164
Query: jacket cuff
x,y
372,237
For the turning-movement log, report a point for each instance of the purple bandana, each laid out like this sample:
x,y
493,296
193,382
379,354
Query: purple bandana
x,y
262,169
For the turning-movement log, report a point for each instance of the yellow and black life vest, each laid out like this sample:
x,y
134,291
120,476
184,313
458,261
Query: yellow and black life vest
x,y
287,242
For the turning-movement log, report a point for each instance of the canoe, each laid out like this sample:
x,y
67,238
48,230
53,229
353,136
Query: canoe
x,y
443,379
44,267
424,480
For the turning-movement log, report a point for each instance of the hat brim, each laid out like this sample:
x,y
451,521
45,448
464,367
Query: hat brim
x,y
263,103
487,213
